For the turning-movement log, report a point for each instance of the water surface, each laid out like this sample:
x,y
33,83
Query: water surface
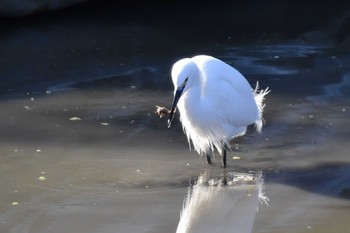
x,y
83,151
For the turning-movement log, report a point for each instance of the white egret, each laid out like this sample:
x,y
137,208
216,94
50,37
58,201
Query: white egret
x,y
216,103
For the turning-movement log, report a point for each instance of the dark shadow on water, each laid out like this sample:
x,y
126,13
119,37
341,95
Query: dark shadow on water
x,y
328,179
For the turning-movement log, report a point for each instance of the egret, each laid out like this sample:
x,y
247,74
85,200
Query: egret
x,y
216,104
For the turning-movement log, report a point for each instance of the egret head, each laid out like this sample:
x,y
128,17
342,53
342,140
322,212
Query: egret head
x,y
182,74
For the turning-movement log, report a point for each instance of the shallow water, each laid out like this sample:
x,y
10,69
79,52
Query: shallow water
x,y
83,151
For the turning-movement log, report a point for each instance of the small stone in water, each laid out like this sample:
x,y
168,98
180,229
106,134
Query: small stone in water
x,y
42,178
236,157
75,119
14,203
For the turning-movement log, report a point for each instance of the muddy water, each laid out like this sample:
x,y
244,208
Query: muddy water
x,y
91,156
82,151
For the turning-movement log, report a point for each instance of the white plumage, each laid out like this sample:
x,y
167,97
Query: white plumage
x,y
216,103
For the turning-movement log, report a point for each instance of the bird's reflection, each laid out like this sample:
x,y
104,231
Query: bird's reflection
x,y
224,202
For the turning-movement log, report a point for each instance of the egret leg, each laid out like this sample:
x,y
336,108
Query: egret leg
x,y
224,156
224,176
208,155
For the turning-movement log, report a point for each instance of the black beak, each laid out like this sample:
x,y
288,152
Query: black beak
x,y
176,99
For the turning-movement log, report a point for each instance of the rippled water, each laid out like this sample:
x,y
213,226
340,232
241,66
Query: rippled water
x,y
88,154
